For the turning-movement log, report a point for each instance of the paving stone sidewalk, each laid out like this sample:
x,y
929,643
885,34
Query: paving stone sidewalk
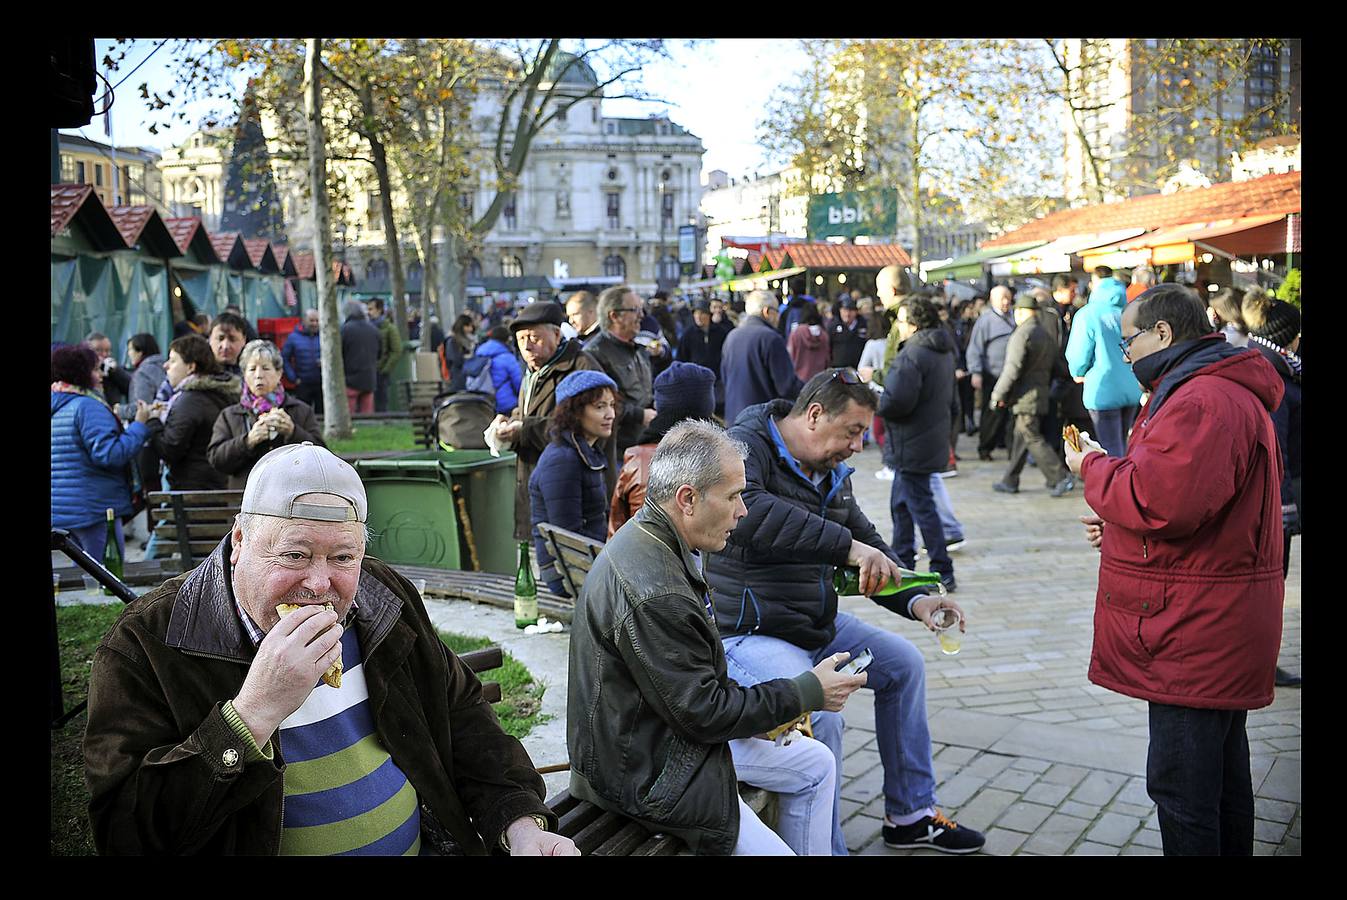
x,y
1026,748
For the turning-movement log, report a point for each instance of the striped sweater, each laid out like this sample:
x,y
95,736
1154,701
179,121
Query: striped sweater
x,y
344,795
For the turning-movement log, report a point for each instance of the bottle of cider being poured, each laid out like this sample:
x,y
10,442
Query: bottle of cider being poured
x,y
847,582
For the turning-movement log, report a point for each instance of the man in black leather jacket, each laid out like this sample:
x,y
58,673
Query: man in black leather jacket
x,y
775,603
656,729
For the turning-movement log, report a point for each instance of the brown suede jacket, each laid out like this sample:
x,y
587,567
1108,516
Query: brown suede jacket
x,y
629,495
167,774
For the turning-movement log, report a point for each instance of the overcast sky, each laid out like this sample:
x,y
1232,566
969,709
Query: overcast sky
x,y
717,90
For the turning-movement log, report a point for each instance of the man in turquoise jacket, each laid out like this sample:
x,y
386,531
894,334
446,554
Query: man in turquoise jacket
x,y
1094,352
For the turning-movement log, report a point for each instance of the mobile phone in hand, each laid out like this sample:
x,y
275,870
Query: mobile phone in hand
x,y
859,664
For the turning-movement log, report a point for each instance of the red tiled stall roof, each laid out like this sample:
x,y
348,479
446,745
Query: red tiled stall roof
x,y
131,221
66,199
224,243
260,255
840,256
141,228
185,231
1269,195
304,264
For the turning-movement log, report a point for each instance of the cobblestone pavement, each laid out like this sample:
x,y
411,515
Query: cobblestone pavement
x,y
1026,749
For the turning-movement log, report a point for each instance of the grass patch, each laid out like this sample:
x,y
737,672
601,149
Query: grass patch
x,y
519,709
372,436
82,627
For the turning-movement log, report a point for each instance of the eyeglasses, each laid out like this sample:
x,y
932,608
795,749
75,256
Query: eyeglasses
x,y
1125,344
623,309
846,375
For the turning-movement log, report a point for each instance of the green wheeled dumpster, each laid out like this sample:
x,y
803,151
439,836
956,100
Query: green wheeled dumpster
x,y
436,508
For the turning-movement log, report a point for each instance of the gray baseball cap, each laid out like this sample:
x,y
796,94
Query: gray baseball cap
x,y
289,472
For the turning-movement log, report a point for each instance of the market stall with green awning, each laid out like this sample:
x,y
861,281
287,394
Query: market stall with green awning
x,y
973,264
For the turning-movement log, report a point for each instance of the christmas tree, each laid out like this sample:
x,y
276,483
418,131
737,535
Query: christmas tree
x,y
251,202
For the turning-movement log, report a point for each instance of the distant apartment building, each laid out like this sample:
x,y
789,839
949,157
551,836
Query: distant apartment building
x,y
194,175
1147,108
121,176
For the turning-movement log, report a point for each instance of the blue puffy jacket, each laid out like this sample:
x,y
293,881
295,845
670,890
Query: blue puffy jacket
x,y
90,459
1092,350
506,375
302,357
567,490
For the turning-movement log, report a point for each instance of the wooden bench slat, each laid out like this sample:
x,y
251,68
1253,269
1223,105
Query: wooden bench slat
x,y
221,497
632,835
197,531
481,660
579,818
196,514
599,832
660,845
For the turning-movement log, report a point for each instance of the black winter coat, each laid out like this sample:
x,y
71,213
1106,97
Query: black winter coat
x,y
774,576
920,399
360,344
629,366
183,441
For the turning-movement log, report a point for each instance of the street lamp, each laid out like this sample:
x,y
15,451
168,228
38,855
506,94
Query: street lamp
x,y
659,263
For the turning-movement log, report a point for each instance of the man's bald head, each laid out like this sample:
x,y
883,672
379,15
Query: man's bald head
x,y
1001,298
887,285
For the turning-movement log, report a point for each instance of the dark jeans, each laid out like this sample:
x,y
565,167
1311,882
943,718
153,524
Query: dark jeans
x,y
993,419
966,403
311,392
1028,438
1111,427
911,500
381,393
1197,772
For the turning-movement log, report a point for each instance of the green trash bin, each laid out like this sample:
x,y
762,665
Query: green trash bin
x,y
415,517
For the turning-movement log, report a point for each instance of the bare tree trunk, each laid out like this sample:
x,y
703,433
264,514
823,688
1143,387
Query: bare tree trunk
x,y
425,246
336,414
399,299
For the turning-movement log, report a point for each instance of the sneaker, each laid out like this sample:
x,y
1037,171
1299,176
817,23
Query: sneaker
x,y
985,455
950,584
885,474
1286,679
1063,487
1002,488
955,546
933,833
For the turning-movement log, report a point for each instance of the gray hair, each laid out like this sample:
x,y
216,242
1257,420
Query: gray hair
x,y
610,301
1000,291
266,348
757,301
251,523
1143,275
691,454
355,308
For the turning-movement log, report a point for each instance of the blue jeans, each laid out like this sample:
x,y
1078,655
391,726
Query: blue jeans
x,y
804,776
1197,772
952,526
898,678
1111,427
911,501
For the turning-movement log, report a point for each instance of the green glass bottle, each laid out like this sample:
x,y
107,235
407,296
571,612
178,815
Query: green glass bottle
x,y
847,582
525,591
112,554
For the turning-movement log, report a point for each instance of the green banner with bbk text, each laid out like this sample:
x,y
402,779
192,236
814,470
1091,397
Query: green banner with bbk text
x,y
852,214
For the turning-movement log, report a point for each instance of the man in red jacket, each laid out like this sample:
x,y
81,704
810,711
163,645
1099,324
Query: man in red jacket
x,y
1188,612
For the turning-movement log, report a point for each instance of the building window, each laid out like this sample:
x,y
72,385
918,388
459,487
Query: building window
x,y
561,114
374,211
614,266
614,210
98,175
414,272
668,269
508,213
1262,86
511,267
465,203
611,127
667,207
67,169
474,269
376,269
80,176
594,113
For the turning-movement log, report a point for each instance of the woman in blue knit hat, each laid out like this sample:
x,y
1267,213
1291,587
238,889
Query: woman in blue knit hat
x,y
566,488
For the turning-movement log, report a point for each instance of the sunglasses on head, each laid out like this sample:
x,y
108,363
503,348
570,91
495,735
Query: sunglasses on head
x,y
846,375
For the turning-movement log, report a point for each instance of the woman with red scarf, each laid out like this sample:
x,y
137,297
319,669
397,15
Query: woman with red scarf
x,y
266,417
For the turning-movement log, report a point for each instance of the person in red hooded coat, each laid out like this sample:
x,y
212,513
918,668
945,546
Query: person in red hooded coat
x,y
1188,613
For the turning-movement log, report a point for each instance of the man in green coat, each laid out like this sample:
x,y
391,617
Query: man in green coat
x,y
390,351
1024,388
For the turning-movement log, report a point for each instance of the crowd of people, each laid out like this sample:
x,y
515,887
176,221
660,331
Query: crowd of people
x,y
707,443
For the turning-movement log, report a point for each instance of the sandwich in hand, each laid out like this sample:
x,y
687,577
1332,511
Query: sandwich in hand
x,y
332,676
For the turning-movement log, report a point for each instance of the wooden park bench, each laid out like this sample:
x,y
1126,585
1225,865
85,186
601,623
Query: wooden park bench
x,y
421,405
572,554
192,523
